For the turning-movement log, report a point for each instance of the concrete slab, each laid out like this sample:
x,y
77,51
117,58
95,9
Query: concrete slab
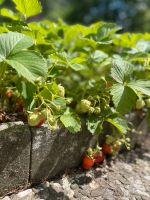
x,y
15,143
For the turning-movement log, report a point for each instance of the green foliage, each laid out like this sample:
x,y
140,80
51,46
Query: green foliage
x,y
69,72
119,123
126,91
13,52
94,124
123,97
71,121
9,14
28,7
121,70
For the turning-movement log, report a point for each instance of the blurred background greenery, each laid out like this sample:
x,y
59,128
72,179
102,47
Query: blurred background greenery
x,y
132,15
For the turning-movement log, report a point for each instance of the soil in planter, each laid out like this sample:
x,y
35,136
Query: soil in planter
x,y
12,117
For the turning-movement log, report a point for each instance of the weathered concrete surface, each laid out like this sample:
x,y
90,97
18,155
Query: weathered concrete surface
x,y
125,178
15,143
53,153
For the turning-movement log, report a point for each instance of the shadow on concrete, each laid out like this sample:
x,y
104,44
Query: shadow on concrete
x,y
15,143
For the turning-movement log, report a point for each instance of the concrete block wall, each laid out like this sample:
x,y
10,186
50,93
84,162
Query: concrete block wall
x,y
37,154
32,155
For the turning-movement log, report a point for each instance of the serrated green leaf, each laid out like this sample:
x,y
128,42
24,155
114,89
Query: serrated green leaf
x,y
140,87
94,124
27,63
75,32
60,57
121,70
28,7
104,33
77,67
5,12
98,56
84,44
119,123
11,43
124,98
60,102
72,122
106,30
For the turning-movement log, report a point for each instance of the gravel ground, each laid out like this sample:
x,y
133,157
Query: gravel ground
x,y
126,177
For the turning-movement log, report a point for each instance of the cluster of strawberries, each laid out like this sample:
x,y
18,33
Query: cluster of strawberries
x,y
95,156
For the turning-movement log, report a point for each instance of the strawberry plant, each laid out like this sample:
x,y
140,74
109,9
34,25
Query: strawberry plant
x,y
58,73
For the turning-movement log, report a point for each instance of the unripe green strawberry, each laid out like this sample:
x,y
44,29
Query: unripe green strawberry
x,y
91,110
148,103
83,106
34,118
140,104
61,91
97,110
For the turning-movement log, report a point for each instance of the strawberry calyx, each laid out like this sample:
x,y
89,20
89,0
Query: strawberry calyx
x,y
98,154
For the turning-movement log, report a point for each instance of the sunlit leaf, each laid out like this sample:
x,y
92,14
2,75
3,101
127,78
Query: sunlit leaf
x,y
123,97
28,7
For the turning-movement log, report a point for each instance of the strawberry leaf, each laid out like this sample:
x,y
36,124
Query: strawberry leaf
x,y
14,52
71,121
119,123
124,98
28,7
121,70
140,87
94,124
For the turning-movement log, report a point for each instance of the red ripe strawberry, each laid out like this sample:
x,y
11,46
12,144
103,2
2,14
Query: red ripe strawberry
x,y
9,93
41,121
106,149
87,162
99,158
